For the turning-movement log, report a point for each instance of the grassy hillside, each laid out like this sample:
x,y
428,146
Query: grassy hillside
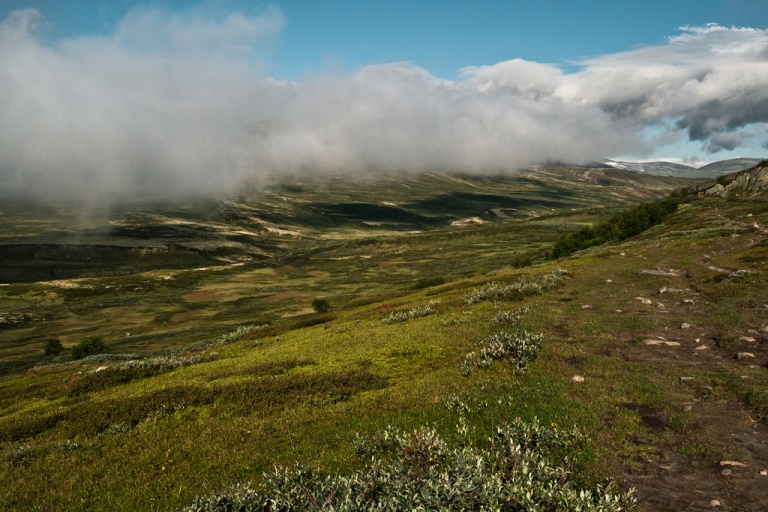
x,y
216,375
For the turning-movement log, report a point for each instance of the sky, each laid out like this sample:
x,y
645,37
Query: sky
x,y
117,99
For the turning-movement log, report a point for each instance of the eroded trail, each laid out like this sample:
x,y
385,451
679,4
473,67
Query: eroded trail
x,y
708,450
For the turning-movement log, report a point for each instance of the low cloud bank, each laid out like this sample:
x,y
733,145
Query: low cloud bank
x,y
174,104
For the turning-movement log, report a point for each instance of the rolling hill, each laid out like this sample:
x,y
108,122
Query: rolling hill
x,y
643,362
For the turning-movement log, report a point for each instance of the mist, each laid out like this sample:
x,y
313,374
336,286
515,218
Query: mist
x,y
181,104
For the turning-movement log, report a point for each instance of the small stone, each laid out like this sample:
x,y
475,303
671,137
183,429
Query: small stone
x,y
753,332
644,300
663,289
662,342
697,340
748,339
686,379
714,503
577,378
732,463
608,281
688,301
618,311
745,355
623,254
702,347
586,306
726,472
660,305
764,472
685,325
749,215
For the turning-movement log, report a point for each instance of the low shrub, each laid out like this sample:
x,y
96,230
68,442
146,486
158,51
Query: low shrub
x,y
516,291
522,466
408,314
89,347
427,282
53,347
321,306
619,227
521,347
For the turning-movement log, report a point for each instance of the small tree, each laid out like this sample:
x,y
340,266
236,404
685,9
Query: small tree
x,y
89,347
53,347
321,306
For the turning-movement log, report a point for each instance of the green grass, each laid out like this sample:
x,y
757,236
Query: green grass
x,y
206,407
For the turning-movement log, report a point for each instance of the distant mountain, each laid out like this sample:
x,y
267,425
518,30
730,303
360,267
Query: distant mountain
x,y
749,182
656,168
728,166
712,170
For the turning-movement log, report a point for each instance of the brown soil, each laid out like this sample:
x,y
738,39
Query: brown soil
x,y
717,458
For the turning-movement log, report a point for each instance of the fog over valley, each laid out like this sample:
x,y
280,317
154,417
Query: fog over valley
x,y
178,103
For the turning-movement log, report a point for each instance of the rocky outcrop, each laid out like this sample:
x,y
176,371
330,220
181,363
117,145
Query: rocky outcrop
x,y
748,182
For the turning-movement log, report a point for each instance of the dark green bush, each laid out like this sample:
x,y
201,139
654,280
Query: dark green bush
x,y
619,227
53,347
321,306
427,282
89,347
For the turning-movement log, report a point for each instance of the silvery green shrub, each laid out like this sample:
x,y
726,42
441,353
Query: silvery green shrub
x,y
517,290
522,466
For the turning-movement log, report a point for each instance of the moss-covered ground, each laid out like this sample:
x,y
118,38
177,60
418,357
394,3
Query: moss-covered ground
x,y
200,409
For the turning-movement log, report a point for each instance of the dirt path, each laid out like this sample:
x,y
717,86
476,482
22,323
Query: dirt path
x,y
706,453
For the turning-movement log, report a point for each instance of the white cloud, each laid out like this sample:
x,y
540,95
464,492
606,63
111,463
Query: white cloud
x,y
178,103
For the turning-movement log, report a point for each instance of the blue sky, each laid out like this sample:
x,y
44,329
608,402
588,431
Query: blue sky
x,y
133,94
441,36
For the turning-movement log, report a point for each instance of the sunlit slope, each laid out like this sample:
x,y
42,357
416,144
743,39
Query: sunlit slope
x,y
197,419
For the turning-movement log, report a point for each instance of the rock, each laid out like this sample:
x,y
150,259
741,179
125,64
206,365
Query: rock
x,y
732,463
726,472
644,300
745,355
697,340
586,306
686,379
748,339
618,311
664,289
714,503
658,272
764,472
623,254
660,305
702,347
662,342
688,301
685,325
577,378
608,281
